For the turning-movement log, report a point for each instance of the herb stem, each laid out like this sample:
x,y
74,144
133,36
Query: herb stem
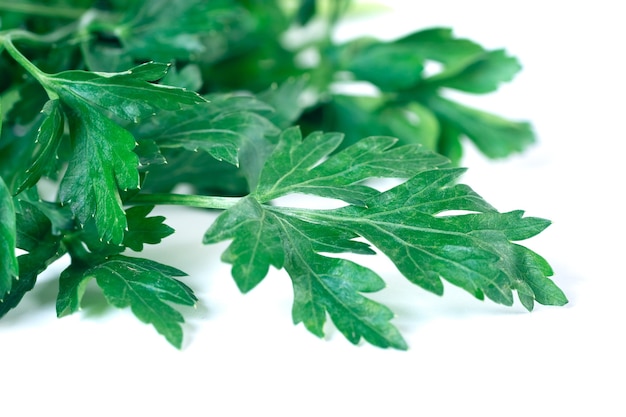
x,y
190,200
42,10
21,59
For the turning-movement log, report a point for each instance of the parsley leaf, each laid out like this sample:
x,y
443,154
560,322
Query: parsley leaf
x,y
495,136
147,287
102,162
128,95
36,236
143,229
410,223
49,137
321,284
340,176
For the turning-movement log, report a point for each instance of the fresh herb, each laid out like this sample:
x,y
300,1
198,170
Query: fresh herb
x,y
113,104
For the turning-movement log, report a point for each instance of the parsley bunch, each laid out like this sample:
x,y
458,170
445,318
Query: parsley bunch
x,y
113,104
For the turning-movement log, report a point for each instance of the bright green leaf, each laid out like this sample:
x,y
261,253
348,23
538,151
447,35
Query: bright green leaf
x,y
484,75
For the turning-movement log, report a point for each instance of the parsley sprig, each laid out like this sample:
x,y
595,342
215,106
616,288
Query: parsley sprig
x,y
114,104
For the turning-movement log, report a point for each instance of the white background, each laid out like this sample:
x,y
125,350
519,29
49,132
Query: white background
x,y
243,356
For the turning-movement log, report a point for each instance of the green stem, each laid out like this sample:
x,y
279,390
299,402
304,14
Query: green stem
x,y
22,60
42,10
200,201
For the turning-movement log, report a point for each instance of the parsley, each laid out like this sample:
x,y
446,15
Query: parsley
x,y
114,104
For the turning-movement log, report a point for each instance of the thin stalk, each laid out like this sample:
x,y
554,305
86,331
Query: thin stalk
x,y
199,201
32,69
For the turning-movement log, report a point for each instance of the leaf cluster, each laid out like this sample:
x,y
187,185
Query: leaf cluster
x,y
113,104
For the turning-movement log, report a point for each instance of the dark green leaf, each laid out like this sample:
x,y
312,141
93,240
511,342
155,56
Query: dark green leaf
x,y
8,261
410,224
48,138
221,128
35,235
251,256
430,226
149,289
102,162
389,66
143,229
306,11
149,154
72,284
322,285
439,44
298,166
128,95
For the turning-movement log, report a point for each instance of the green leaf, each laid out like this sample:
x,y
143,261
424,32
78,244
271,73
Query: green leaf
x,y
72,284
147,287
143,229
102,163
440,45
495,136
262,237
412,123
303,166
389,66
48,139
189,77
195,128
251,257
484,75
286,100
127,95
430,226
474,251
34,235
8,262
